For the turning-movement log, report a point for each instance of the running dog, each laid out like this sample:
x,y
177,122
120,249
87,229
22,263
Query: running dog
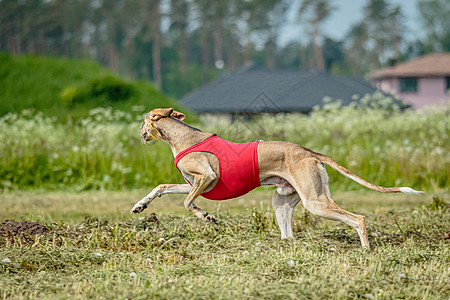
x,y
218,169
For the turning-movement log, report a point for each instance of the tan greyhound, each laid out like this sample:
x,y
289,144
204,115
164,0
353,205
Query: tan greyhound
x,y
297,172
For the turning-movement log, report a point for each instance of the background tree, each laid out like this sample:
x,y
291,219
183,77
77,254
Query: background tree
x,y
313,13
182,44
262,19
377,38
155,22
179,22
333,54
357,38
435,17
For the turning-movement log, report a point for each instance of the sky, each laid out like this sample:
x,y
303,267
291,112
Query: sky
x,y
347,13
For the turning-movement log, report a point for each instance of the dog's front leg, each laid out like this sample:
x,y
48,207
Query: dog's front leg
x,y
200,183
158,191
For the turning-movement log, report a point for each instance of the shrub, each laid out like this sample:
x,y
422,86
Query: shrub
x,y
102,91
110,89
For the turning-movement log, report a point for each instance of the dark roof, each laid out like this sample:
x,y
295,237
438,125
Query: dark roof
x,y
251,89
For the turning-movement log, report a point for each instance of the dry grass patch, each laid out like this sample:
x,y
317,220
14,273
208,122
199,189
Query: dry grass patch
x,y
96,249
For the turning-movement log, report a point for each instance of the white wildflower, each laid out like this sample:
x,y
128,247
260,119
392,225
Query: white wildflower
x,y
291,263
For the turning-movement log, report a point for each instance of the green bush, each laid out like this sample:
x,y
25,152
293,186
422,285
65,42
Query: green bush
x,y
101,91
111,89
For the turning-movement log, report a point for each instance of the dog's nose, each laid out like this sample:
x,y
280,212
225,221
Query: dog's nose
x,y
144,135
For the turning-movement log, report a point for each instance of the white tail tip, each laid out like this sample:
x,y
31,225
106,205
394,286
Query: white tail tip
x,y
408,190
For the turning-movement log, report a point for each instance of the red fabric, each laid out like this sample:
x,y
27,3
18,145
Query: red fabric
x,y
239,170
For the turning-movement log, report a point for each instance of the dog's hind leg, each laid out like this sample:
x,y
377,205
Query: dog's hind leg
x,y
311,182
284,205
158,191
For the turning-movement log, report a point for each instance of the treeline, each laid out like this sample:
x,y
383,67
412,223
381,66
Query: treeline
x,y
180,44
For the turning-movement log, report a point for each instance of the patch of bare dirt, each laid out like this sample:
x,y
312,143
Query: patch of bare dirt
x,y
10,227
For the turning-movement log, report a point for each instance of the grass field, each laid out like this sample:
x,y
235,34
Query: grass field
x,y
71,159
78,171
96,249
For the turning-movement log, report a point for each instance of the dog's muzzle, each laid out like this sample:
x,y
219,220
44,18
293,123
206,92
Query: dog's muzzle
x,y
146,138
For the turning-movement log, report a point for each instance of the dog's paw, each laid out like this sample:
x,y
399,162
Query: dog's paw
x,y
209,218
137,208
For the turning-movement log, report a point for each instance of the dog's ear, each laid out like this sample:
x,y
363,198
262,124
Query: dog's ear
x,y
159,113
177,115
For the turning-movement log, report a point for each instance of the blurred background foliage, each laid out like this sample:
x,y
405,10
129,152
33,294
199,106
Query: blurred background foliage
x,y
68,88
103,151
182,44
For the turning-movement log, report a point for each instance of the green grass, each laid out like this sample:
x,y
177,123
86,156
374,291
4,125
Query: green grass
x,y
69,88
241,258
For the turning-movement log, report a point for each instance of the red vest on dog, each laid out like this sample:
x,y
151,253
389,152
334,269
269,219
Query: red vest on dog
x,y
239,170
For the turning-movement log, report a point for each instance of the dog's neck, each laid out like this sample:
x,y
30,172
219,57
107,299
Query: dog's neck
x,y
179,135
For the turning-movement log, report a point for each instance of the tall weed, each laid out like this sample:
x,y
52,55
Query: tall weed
x,y
104,151
383,145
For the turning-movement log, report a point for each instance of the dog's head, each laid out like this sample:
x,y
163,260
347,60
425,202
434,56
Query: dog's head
x,y
149,130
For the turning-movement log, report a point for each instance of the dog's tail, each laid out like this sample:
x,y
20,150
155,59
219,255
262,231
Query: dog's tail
x,y
349,174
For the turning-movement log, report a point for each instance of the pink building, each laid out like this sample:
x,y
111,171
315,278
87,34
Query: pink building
x,y
418,82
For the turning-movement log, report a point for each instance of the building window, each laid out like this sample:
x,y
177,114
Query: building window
x,y
408,85
447,86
